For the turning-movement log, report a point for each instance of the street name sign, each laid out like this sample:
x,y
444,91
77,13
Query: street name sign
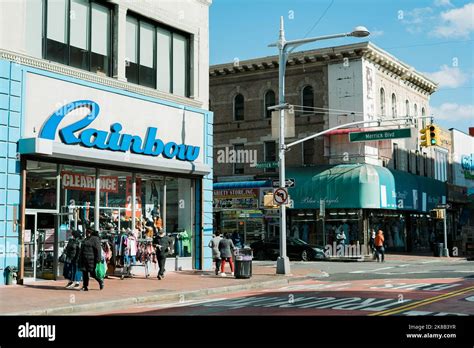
x,y
380,135
262,165
288,183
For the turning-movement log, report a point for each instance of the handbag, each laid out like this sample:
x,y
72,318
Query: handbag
x,y
100,270
62,258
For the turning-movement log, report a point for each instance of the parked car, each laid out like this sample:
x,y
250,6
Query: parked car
x,y
296,249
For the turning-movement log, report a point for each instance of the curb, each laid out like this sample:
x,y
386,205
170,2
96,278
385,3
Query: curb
x,y
171,296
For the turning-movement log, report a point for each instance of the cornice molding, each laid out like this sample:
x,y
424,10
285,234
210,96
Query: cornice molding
x,y
326,56
91,77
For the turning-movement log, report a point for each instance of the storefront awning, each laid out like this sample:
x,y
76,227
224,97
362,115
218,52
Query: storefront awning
x,y
241,184
364,186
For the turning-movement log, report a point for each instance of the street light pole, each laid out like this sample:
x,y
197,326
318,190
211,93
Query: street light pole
x,y
283,263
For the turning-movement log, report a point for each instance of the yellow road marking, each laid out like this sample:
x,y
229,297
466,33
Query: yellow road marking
x,y
423,302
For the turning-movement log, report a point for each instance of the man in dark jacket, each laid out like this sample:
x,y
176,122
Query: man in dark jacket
x,y
71,263
90,257
163,246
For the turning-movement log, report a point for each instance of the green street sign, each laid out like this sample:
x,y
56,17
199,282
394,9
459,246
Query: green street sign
x,y
266,165
380,135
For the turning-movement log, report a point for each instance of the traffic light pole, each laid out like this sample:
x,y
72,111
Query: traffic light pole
x,y
445,249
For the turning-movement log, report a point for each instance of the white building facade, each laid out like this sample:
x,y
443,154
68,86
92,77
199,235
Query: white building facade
x,y
104,125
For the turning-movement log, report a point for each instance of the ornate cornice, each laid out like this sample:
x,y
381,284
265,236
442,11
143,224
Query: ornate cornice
x,y
91,77
325,56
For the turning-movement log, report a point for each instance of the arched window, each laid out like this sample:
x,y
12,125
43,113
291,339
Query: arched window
x,y
269,101
394,105
407,107
239,107
415,110
382,102
308,99
423,120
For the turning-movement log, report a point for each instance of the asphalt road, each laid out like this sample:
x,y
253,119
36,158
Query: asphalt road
x,y
436,287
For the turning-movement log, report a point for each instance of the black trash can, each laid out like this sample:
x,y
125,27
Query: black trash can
x,y
243,263
438,249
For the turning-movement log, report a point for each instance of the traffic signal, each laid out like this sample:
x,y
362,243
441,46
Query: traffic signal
x,y
434,133
425,137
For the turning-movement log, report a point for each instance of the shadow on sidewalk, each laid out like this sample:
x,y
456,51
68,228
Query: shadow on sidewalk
x,y
47,287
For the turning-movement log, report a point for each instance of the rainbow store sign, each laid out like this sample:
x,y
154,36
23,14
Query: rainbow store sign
x,y
78,133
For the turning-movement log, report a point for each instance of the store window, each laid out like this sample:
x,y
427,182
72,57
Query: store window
x,y
269,101
41,185
77,191
78,33
115,212
179,219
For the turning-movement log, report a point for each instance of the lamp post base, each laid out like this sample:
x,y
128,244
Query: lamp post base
x,y
283,265
445,252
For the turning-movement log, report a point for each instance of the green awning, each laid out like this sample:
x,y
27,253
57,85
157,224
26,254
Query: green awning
x,y
363,186
341,186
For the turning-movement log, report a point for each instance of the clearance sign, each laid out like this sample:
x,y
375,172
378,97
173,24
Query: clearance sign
x,y
81,182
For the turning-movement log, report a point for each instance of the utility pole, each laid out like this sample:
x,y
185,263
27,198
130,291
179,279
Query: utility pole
x,y
283,263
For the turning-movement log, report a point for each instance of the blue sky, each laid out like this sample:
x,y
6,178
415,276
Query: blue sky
x,y
433,36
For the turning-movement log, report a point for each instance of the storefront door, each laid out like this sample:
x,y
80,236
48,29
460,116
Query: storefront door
x,y
39,244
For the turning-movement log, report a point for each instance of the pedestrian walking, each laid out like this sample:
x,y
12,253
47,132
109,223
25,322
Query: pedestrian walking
x,y
372,242
236,240
72,254
379,246
226,246
341,237
216,255
91,253
163,247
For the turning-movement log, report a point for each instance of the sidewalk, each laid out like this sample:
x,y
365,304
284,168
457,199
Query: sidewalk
x,y
51,298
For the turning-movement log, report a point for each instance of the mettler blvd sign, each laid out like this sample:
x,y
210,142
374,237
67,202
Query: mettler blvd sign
x,y
380,135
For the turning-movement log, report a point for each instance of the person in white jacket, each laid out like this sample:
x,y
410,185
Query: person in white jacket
x,y
216,255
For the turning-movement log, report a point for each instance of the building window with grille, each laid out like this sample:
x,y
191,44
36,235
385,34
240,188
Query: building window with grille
x,y
269,101
308,152
239,165
394,105
382,102
307,97
239,107
270,154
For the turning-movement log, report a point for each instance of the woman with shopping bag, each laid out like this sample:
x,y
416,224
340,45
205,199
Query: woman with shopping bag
x,y
91,260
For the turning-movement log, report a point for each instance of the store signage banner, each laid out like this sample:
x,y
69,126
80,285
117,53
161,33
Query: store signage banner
x,y
111,120
115,140
81,182
236,193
